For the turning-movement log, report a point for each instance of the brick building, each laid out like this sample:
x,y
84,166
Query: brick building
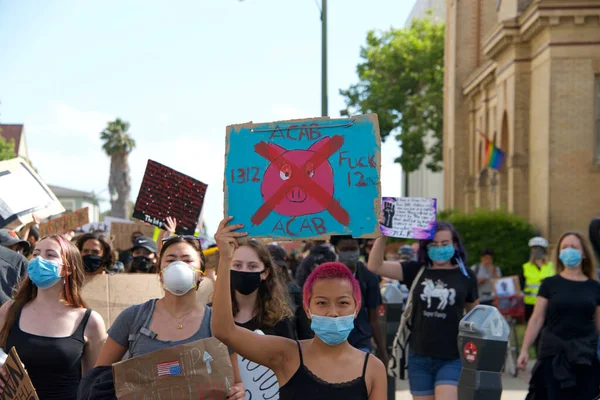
x,y
527,74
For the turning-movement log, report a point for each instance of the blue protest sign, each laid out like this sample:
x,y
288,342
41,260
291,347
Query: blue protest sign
x,y
305,179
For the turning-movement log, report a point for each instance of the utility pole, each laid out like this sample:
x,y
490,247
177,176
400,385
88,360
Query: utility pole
x,y
324,111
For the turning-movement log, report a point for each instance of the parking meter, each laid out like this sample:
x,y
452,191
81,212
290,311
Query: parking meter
x,y
482,341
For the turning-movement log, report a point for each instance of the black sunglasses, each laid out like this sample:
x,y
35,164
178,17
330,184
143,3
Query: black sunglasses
x,y
188,237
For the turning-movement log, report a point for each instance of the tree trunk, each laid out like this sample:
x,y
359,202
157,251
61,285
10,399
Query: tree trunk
x,y
119,182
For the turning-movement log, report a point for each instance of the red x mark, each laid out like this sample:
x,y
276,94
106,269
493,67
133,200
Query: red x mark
x,y
318,193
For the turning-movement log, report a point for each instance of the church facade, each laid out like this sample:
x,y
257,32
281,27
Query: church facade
x,y
526,75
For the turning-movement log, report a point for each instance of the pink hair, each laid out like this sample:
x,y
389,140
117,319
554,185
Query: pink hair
x,y
331,270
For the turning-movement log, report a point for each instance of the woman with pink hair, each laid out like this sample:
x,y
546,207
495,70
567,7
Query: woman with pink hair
x,y
325,367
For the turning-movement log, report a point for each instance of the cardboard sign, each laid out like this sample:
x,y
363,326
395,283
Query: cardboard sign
x,y
168,193
18,385
66,223
22,193
507,286
305,179
110,294
259,381
121,233
409,217
197,370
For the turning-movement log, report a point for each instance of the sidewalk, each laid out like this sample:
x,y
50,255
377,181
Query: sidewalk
x,y
513,388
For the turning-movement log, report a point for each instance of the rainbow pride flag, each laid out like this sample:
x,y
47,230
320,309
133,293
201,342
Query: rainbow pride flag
x,y
494,157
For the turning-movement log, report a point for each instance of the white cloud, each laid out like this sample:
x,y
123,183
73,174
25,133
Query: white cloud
x,y
62,120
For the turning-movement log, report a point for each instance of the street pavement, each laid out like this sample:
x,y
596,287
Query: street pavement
x,y
512,388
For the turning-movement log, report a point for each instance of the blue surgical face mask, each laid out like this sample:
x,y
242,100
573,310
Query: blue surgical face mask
x,y
332,331
440,254
570,257
43,273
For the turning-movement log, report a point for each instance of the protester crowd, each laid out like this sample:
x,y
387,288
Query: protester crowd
x,y
316,310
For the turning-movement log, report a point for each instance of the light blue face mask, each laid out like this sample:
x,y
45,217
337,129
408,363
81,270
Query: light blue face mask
x,y
43,273
440,254
330,330
570,257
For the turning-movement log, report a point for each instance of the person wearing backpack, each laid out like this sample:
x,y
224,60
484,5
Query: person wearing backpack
x,y
486,272
176,318
442,289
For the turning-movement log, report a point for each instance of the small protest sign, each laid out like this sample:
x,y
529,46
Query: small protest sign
x,y
65,223
304,179
408,217
121,233
109,294
196,370
259,381
22,193
168,193
17,385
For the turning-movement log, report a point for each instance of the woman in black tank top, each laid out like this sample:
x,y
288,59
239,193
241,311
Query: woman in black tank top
x,y
324,368
48,324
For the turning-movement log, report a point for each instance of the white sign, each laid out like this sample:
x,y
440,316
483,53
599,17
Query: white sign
x,y
22,193
260,382
408,217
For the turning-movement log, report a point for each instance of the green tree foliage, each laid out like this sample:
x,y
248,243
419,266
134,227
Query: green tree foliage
x,y
7,148
401,78
505,233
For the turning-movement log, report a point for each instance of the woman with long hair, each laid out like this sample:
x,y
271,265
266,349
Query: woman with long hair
x,y
175,319
55,335
97,253
444,290
568,310
325,367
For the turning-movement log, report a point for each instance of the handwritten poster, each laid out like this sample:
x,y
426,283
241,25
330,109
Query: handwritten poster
x,y
166,192
259,381
65,223
22,193
17,386
196,370
304,179
408,217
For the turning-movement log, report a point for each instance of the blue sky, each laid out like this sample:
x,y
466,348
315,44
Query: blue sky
x,y
179,72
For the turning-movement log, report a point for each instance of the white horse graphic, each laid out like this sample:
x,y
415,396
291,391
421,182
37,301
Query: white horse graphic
x,y
439,291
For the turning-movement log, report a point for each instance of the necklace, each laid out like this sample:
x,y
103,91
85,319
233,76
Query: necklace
x,y
181,319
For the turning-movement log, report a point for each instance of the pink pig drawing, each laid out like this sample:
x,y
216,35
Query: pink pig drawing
x,y
299,182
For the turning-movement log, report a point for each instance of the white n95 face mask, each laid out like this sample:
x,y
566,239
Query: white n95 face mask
x,y
179,278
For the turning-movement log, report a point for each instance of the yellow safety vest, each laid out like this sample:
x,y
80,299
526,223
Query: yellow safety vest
x,y
533,279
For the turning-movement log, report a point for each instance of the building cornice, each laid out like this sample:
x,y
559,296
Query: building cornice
x,y
479,78
538,15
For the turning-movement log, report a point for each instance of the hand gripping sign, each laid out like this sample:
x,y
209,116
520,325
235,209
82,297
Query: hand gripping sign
x,y
304,179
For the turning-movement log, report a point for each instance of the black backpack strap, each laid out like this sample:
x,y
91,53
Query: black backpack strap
x,y
140,326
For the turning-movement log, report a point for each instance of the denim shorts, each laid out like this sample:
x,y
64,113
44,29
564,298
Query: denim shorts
x,y
425,373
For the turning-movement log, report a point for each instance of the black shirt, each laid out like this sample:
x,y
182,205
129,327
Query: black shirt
x,y
54,364
361,335
439,302
285,328
571,306
13,267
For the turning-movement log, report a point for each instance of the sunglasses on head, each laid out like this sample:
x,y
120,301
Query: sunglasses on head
x,y
187,237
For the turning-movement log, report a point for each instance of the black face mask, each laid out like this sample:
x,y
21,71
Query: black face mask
x,y
142,264
245,282
92,263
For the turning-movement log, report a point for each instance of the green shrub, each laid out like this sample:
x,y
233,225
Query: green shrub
x,y
505,233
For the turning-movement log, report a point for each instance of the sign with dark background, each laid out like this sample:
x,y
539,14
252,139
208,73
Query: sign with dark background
x,y
168,193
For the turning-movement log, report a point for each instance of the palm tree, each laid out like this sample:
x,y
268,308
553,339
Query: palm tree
x,y
117,145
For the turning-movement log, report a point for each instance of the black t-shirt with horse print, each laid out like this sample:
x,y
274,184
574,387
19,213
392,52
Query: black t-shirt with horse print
x,y
438,306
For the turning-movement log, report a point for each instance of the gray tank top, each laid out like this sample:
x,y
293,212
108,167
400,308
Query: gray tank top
x,y
144,341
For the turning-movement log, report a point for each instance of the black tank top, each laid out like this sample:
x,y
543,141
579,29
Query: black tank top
x,y
54,364
306,385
